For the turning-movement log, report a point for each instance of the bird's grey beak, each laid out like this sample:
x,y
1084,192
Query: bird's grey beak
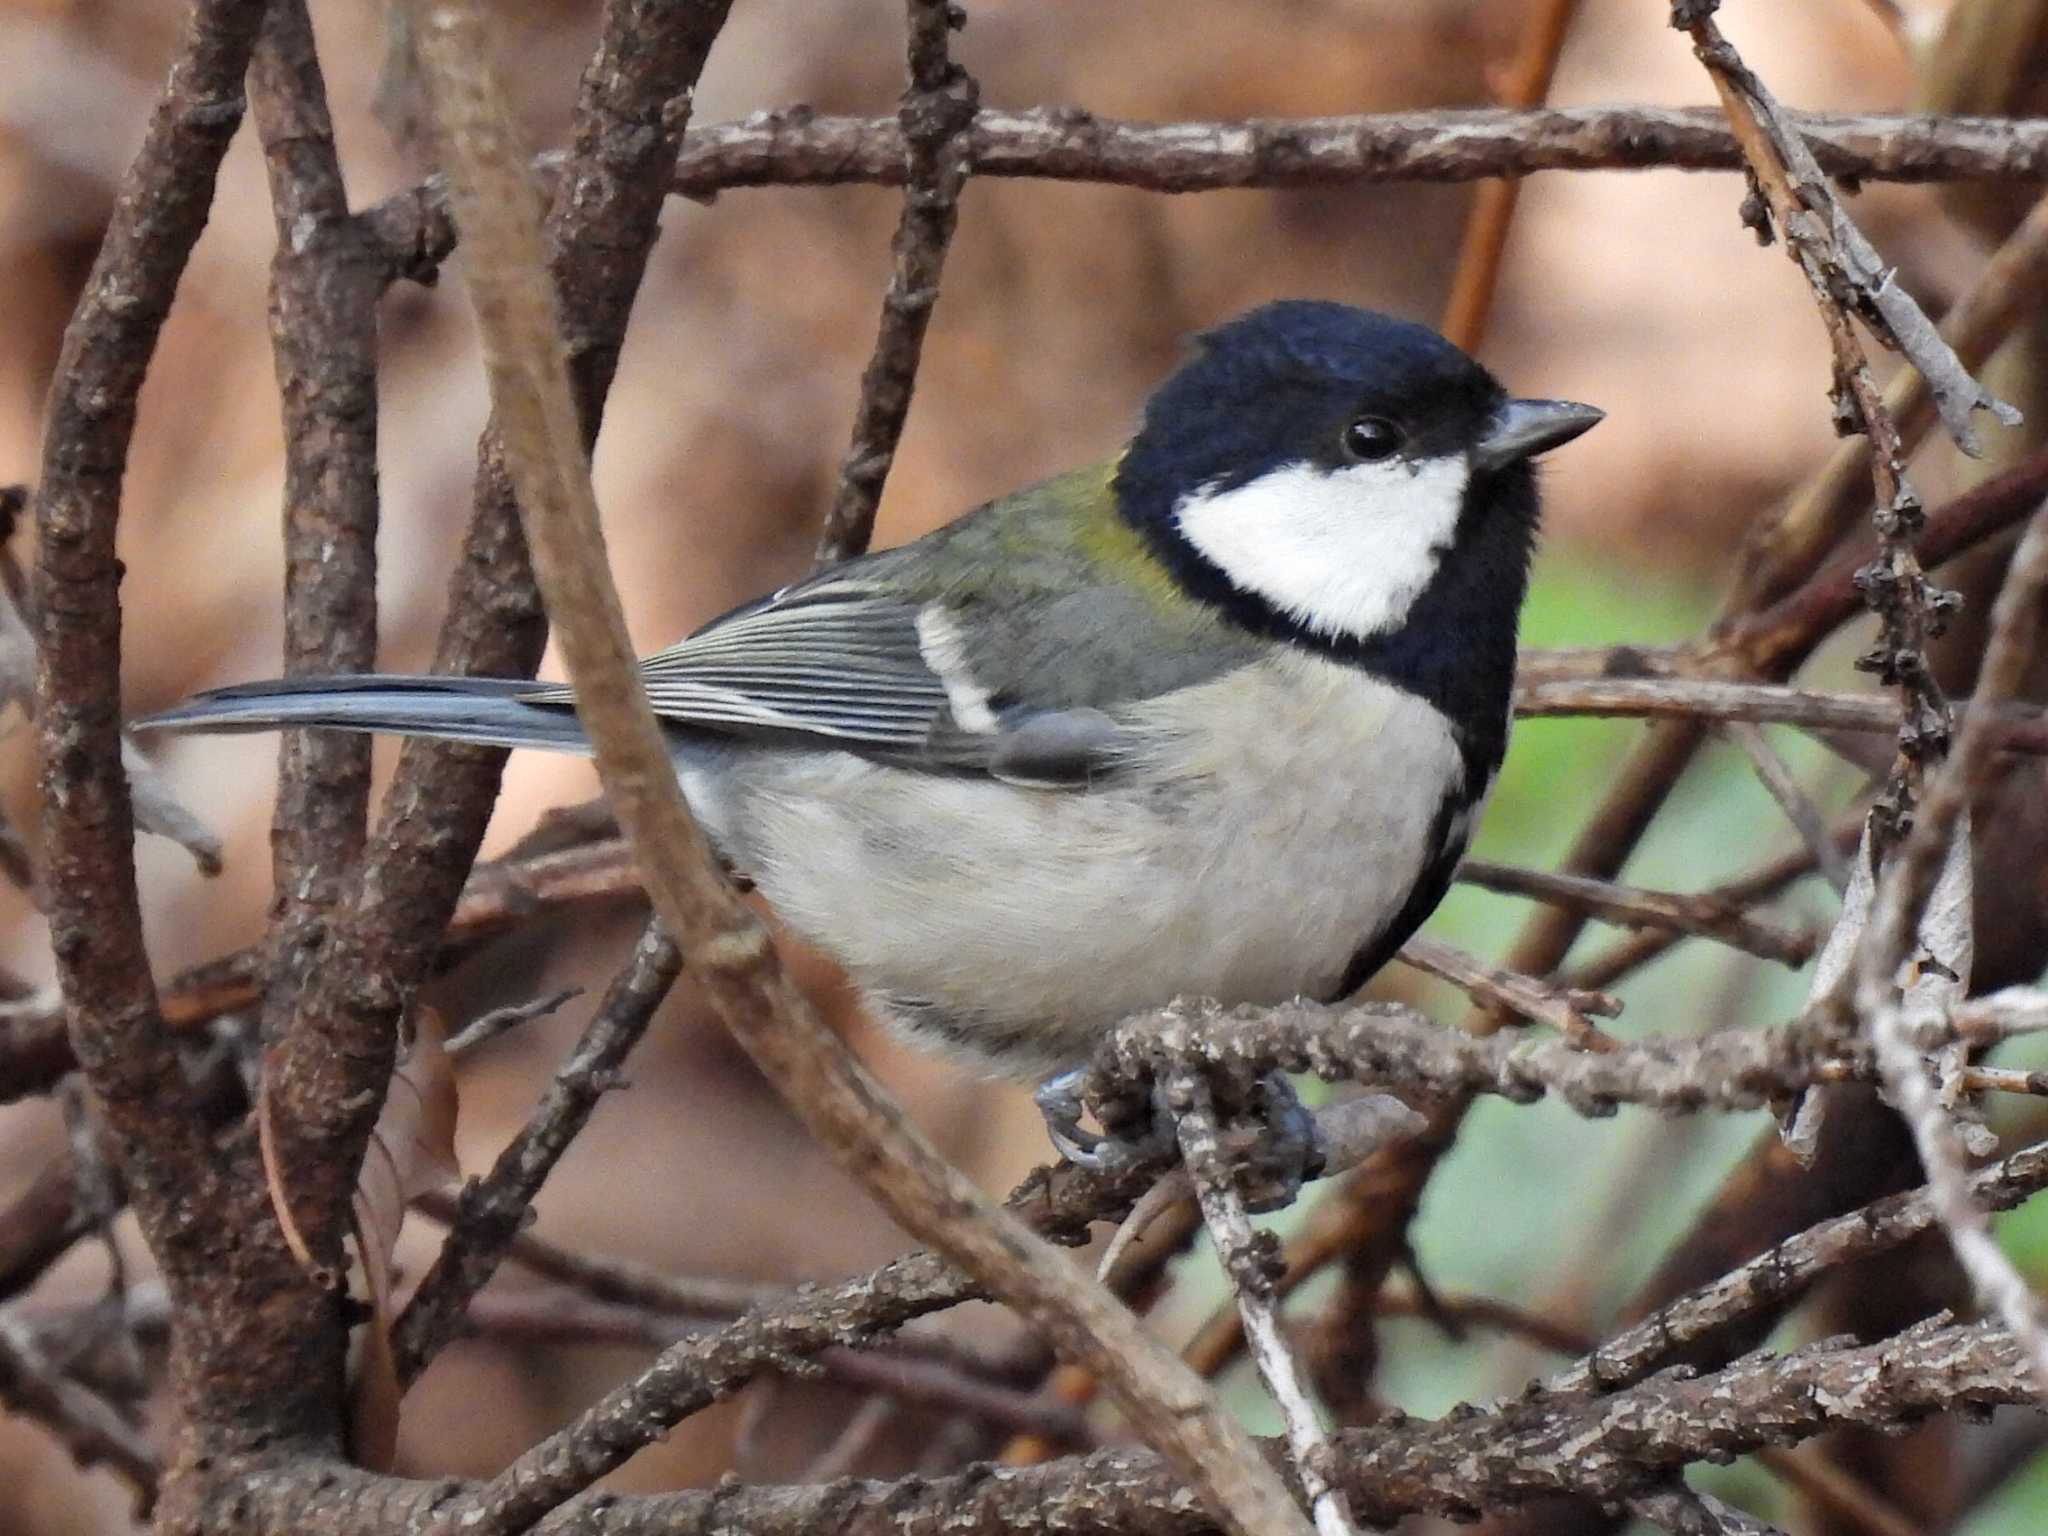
x,y
1524,428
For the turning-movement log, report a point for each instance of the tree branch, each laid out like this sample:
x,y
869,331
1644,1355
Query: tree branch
x,y
325,281
936,119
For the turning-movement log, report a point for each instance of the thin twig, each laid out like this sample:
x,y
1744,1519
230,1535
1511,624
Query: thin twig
x,y
1841,266
1783,550
556,1317
1922,908
1634,907
1528,997
1782,1272
1997,1016
2019,727
1685,1511
488,1026
493,1209
796,146
618,1281
1638,950
1783,785
1461,1465
1247,1256
937,116
86,1424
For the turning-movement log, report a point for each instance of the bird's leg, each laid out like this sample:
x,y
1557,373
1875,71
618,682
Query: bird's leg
x,y
1285,1152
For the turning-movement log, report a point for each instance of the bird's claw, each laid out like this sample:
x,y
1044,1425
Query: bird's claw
x,y
1285,1153
1059,1100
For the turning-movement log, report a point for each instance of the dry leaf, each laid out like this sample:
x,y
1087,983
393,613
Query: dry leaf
x,y
411,1150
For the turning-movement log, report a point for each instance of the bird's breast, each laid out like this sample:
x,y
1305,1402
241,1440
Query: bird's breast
x,y
1270,823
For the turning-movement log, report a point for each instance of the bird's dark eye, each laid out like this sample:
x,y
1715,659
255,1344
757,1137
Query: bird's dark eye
x,y
1370,438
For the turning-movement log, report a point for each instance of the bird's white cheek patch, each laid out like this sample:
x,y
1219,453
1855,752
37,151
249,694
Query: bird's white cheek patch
x,y
1344,552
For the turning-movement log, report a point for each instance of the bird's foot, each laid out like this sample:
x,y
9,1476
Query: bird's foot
x,y
1059,1100
1285,1148
1280,1151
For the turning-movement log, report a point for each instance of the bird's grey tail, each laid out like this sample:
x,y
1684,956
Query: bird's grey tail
x,y
488,711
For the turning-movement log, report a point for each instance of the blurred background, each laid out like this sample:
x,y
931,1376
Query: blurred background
x,y
1062,306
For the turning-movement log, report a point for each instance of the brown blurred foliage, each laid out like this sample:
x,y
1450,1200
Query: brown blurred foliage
x,y
1062,305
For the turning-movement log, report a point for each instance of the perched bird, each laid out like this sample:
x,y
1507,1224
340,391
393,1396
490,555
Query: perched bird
x,y
1214,718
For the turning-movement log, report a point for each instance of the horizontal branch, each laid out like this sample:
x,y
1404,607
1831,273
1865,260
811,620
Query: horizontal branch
x,y
1602,1447
795,146
2020,727
1386,1046
1634,907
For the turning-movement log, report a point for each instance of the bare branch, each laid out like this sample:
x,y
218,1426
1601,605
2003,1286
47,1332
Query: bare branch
x,y
1843,268
1766,1283
1398,1050
795,146
1632,906
1526,84
89,1427
1607,1448
1784,787
325,281
1246,1257
494,1209
336,1059
1922,911
1563,1009
937,118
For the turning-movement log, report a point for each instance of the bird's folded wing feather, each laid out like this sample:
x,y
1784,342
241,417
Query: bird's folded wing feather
x,y
847,664
1029,671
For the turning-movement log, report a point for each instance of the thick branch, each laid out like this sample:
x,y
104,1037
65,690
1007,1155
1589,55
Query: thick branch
x,y
325,281
337,1057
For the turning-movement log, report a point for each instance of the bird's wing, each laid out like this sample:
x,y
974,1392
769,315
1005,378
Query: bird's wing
x,y
1029,670
846,662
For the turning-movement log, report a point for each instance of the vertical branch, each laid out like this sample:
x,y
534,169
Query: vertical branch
x,y
1923,901
240,1359
335,1059
1248,1259
95,913
1493,203
1818,237
325,281
937,113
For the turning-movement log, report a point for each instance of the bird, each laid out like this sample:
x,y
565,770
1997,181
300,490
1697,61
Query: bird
x,y
1214,717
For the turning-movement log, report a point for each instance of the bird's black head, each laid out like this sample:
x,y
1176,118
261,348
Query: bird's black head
x,y
1357,485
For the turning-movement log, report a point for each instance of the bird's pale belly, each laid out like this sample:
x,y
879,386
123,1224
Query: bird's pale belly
x,y
1247,861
